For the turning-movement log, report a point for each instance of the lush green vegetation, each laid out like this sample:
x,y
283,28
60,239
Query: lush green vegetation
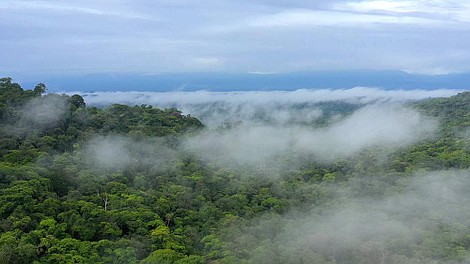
x,y
59,206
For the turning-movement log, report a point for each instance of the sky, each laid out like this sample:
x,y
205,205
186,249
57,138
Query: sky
x,y
257,36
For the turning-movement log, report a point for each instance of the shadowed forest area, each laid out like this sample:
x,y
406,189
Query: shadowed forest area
x,y
355,183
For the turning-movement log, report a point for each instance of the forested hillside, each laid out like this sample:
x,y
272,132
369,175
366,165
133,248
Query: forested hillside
x,y
81,184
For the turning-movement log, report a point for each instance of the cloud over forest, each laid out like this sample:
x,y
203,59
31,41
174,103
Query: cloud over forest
x,y
214,108
258,128
364,228
387,127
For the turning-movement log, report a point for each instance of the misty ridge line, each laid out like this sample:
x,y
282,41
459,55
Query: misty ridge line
x,y
253,107
164,99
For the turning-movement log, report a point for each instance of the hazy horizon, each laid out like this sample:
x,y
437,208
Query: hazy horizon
x,y
232,82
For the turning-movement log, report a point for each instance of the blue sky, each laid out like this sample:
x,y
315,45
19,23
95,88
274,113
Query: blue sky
x,y
261,36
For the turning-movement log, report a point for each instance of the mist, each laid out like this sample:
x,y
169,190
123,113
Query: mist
x,y
279,107
259,128
385,126
120,152
360,227
361,94
44,112
37,115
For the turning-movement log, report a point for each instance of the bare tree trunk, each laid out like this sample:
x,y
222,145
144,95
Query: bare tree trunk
x,y
105,199
384,255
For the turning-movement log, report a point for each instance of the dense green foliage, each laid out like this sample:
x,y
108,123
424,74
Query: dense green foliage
x,y
57,206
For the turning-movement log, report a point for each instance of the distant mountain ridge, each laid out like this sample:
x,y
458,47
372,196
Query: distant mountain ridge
x,y
217,81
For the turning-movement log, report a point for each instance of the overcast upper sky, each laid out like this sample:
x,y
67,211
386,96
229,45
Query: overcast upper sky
x,y
155,36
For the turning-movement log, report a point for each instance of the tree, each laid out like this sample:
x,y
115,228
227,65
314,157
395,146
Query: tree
x,y
163,256
77,101
39,89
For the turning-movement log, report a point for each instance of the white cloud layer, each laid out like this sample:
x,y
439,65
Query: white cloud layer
x,y
279,107
182,99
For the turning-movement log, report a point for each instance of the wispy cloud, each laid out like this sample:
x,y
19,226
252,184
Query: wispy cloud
x,y
436,10
417,12
312,18
364,13
70,7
